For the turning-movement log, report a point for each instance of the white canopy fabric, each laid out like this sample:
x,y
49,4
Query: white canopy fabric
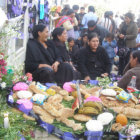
x,y
3,18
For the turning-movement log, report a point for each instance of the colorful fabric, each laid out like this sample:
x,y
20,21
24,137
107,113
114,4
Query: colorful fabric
x,y
62,20
41,9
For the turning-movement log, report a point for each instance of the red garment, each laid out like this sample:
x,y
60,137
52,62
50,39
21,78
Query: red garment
x,y
62,20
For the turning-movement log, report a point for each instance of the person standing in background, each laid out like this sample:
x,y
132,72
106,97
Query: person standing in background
x,y
81,15
65,10
113,25
68,22
76,28
126,40
106,22
118,21
89,16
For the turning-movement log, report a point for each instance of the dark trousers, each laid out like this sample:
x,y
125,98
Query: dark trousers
x,y
43,75
64,74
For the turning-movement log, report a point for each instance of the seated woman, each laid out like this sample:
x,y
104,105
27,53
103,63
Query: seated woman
x,y
83,41
132,69
59,38
93,61
73,50
42,59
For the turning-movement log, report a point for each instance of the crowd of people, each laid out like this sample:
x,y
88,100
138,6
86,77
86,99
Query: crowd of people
x,y
83,46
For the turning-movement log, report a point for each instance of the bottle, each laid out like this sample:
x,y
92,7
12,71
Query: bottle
x,y
132,85
6,121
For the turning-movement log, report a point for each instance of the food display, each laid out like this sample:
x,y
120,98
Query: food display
x,y
103,107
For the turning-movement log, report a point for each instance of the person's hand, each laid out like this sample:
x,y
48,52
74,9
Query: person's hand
x,y
72,66
121,36
87,78
55,66
44,65
104,74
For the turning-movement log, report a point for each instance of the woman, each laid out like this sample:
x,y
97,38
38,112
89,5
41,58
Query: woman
x,y
68,22
132,69
83,41
113,29
59,38
127,40
73,49
42,59
93,60
106,22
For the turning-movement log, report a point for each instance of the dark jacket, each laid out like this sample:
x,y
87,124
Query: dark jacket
x,y
80,43
123,83
36,54
93,64
80,19
77,17
130,35
100,31
62,51
73,54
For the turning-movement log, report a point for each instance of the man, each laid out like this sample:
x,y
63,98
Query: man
x,y
132,69
89,16
81,15
99,30
76,28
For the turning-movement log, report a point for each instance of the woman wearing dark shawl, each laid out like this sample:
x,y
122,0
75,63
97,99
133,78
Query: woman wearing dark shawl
x,y
59,40
43,60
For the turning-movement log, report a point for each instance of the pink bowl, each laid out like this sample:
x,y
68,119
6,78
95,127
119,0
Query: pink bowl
x,y
20,86
67,86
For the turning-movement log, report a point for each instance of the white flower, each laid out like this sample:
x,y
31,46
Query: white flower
x,y
1,57
3,85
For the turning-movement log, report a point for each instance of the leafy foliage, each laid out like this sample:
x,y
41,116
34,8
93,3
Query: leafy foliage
x,y
18,124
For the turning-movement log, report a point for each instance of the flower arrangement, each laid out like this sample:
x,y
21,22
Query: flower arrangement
x,y
55,9
9,75
3,70
9,29
19,76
